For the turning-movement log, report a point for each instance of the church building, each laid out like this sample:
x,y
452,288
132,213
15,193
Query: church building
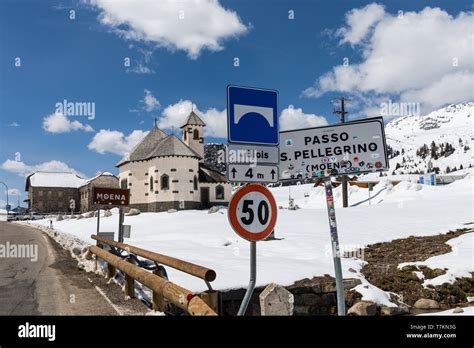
x,y
164,172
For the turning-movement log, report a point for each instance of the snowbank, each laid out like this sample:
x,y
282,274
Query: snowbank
x,y
466,311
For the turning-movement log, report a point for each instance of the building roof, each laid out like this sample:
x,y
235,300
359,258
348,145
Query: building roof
x,y
172,146
158,144
54,179
98,175
194,120
144,147
208,175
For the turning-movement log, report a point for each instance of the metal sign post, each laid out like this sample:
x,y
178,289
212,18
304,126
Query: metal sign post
x,y
98,220
120,227
371,187
252,215
341,305
253,279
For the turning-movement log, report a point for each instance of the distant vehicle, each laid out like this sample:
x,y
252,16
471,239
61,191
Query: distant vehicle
x,y
13,217
34,216
24,217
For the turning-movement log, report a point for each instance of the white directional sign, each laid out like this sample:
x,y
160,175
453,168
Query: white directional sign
x,y
252,212
249,173
252,154
347,148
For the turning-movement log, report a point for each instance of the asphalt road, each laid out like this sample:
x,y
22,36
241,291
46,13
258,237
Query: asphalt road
x,y
50,282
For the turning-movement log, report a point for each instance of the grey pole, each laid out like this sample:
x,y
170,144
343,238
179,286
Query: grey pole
x,y
120,231
253,278
98,220
341,306
8,210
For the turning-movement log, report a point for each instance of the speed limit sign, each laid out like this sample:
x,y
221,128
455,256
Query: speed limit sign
x,y
253,212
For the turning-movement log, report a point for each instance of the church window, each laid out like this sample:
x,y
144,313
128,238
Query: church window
x,y
195,183
151,183
123,183
195,134
165,185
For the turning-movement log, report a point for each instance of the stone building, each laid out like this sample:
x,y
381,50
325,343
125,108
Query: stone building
x,y
104,179
164,172
52,192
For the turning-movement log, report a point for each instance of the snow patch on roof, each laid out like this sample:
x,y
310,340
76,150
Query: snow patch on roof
x,y
55,179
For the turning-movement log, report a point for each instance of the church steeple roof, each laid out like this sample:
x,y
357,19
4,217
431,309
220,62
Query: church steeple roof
x,y
193,120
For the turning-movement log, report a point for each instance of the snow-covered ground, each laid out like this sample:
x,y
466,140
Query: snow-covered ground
x,y
466,311
3,215
452,124
462,249
304,250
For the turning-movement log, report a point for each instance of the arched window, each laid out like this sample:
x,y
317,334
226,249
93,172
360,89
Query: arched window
x,y
219,192
123,183
165,182
195,183
151,183
195,134
184,133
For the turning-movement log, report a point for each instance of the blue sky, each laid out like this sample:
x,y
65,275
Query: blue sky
x,y
82,60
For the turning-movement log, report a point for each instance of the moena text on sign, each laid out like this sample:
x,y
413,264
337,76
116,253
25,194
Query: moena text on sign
x,y
252,212
110,196
348,148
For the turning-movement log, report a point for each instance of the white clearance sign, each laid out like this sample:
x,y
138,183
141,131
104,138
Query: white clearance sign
x,y
349,148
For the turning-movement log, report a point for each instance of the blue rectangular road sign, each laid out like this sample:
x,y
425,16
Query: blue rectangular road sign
x,y
252,115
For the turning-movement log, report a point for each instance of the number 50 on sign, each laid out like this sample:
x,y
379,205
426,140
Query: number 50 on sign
x,y
253,212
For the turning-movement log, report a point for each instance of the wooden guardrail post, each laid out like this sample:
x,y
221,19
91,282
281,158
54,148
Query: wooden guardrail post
x,y
111,271
158,299
130,282
211,297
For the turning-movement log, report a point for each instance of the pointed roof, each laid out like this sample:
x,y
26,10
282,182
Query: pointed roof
x,y
194,120
158,144
172,146
144,147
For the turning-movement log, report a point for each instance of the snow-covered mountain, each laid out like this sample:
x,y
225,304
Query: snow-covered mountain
x,y
443,137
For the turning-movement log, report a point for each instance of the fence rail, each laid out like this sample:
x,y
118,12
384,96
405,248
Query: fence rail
x,y
204,273
161,287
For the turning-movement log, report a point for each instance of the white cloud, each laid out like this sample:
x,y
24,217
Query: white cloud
x,y
359,22
424,55
58,123
295,118
14,192
141,69
14,124
115,142
175,115
149,101
24,169
191,25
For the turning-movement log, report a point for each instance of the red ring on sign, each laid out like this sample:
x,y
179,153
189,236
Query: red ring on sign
x,y
232,212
